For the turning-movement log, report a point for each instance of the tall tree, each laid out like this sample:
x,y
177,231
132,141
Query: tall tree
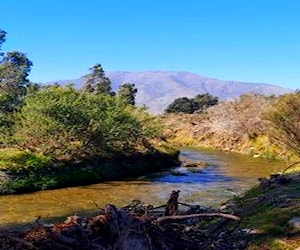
x,y
127,92
2,39
20,62
97,82
14,70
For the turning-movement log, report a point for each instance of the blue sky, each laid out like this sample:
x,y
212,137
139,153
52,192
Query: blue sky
x,y
246,40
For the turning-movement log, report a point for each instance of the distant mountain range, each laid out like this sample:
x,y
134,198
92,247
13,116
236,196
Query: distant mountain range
x,y
157,89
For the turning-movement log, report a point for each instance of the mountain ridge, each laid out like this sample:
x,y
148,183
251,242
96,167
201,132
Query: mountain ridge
x,y
157,89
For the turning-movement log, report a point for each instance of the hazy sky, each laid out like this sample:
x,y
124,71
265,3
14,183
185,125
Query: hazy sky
x,y
246,40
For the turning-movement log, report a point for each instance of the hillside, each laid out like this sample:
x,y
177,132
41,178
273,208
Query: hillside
x,y
157,89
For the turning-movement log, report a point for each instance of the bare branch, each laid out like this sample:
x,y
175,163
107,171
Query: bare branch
x,y
160,220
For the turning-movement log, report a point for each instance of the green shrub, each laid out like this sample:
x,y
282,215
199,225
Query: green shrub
x,y
63,123
11,158
285,121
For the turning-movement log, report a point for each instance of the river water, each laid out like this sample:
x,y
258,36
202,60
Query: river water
x,y
227,175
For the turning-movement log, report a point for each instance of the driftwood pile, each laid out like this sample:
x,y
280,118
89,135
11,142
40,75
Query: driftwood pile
x,y
137,226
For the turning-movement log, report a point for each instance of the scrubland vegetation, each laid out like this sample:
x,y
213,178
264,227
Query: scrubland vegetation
x,y
252,124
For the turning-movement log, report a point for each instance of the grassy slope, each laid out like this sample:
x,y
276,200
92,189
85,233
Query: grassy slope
x,y
269,211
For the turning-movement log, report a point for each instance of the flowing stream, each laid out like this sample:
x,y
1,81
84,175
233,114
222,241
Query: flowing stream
x,y
227,175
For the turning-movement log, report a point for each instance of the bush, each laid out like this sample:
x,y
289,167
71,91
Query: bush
x,y
14,159
285,120
65,124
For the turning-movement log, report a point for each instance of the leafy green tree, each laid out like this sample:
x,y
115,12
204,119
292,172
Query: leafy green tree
x,y
19,61
204,101
14,70
33,87
127,92
62,122
97,82
285,120
2,39
181,105
191,105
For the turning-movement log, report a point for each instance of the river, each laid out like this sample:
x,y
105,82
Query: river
x,y
228,174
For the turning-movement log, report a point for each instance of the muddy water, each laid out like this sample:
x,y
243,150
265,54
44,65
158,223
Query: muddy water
x,y
227,175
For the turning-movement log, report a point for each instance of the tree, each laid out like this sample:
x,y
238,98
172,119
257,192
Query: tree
x,y
2,39
190,106
62,122
204,101
181,105
97,82
14,70
20,62
127,92
285,120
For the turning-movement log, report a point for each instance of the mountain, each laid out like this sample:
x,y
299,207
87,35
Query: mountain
x,y
157,89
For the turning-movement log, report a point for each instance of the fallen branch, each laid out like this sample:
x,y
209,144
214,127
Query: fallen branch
x,y
187,205
160,220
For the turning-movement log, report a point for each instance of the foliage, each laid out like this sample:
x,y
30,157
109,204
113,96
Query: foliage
x,y
237,125
204,101
244,115
190,106
97,82
14,70
181,105
285,120
16,178
32,182
2,39
11,158
19,61
150,129
62,122
127,92
50,134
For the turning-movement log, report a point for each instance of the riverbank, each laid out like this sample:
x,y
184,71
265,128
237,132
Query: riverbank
x,y
210,131
29,172
270,213
260,219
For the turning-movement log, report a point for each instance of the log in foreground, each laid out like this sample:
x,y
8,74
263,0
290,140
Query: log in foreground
x,y
136,226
